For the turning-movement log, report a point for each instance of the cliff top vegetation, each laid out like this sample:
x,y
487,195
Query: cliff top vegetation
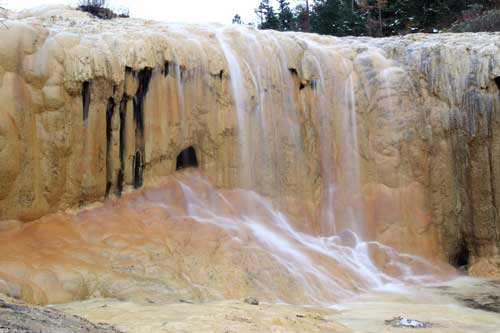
x,y
101,9
377,18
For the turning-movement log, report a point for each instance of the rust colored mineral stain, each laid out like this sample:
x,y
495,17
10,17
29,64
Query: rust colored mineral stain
x,y
182,238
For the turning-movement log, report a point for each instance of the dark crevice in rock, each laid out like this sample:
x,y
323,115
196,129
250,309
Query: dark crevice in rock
x,y
119,183
85,100
461,257
293,71
492,179
110,109
143,78
138,167
123,118
221,74
497,81
187,159
302,86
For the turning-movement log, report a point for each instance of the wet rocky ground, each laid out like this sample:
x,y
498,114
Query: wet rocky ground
x,y
476,294
20,318
464,305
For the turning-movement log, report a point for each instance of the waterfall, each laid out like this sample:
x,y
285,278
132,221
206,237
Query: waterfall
x,y
303,193
334,110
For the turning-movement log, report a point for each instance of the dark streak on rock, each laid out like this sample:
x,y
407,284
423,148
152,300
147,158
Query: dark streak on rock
x,y
143,78
85,101
138,167
123,119
497,81
110,109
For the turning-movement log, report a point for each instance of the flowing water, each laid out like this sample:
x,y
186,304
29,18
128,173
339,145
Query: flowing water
x,y
334,109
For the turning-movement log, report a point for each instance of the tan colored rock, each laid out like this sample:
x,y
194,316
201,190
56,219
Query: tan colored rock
x,y
400,132
10,224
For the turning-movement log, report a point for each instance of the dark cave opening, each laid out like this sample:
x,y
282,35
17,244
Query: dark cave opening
x,y
497,81
461,258
187,159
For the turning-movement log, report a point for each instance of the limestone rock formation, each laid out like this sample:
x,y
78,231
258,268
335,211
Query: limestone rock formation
x,y
399,135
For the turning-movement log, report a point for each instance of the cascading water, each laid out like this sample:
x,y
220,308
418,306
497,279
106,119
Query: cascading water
x,y
335,112
268,117
323,268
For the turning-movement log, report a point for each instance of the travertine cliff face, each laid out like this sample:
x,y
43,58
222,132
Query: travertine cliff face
x,y
399,135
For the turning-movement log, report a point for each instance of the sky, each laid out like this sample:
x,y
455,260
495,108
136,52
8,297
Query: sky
x,y
188,11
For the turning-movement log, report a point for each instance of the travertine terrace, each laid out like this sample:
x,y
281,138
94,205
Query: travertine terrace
x,y
394,140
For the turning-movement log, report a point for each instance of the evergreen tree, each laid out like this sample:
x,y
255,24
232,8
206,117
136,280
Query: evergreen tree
x,y
371,17
285,16
336,17
267,16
